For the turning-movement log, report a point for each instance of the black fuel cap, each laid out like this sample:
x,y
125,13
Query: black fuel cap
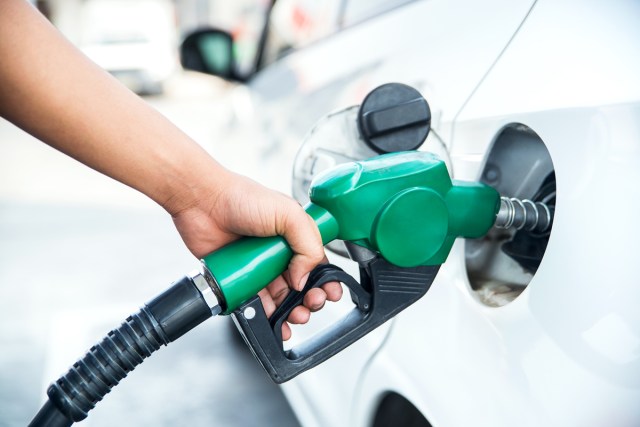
x,y
394,117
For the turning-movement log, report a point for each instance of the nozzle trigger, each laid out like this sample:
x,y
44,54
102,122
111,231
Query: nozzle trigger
x,y
322,274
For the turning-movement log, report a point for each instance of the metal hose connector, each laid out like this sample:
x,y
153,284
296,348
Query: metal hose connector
x,y
524,214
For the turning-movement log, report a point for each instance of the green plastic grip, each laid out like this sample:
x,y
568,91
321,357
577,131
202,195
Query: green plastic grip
x,y
402,205
244,267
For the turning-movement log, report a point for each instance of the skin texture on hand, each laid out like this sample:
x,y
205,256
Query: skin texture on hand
x,y
245,208
51,90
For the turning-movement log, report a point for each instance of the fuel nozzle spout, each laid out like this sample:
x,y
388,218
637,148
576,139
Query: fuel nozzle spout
x,y
524,214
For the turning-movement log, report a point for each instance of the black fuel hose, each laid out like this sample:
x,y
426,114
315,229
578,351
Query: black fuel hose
x,y
161,321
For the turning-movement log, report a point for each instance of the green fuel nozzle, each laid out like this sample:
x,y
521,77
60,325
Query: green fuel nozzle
x,y
400,210
403,206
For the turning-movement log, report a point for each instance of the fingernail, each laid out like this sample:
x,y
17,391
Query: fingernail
x,y
303,282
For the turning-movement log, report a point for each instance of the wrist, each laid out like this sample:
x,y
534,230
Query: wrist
x,y
191,181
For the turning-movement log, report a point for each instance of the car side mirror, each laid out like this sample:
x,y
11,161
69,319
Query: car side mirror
x,y
210,51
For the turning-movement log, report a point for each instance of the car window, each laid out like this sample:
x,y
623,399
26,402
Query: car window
x,y
296,23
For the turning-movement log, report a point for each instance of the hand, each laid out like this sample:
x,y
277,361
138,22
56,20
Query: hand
x,y
238,206
122,137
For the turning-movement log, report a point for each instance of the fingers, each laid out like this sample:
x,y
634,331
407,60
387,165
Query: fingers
x,y
267,302
278,290
314,299
299,315
286,331
333,290
270,306
273,295
303,236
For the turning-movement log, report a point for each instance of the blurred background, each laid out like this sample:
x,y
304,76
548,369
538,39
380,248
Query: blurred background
x,y
137,40
79,251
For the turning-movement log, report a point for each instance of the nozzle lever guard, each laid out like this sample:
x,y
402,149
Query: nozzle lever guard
x,y
384,291
320,275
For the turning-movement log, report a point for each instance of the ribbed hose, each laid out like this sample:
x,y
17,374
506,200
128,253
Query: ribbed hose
x,y
161,321
106,364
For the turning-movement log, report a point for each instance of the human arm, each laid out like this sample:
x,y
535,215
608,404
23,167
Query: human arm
x,y
51,90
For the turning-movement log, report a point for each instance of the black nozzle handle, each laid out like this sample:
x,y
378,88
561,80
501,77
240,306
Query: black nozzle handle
x,y
320,275
385,290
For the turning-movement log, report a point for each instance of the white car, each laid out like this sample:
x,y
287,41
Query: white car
x,y
526,96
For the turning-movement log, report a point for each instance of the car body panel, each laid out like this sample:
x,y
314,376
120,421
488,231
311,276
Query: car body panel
x,y
290,95
569,341
567,350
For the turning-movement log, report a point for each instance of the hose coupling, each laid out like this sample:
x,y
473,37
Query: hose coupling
x,y
206,284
